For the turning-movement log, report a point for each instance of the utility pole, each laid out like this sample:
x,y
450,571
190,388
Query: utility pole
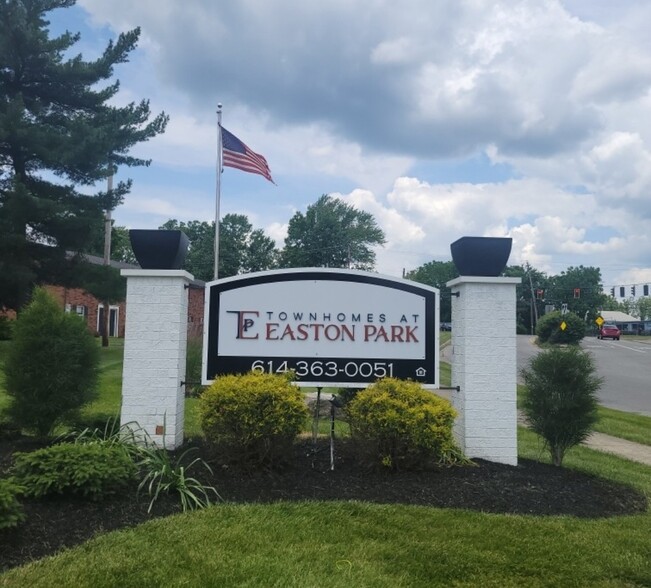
x,y
107,262
533,300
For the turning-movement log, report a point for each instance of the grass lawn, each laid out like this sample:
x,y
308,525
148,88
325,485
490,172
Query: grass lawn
x,y
360,544
639,338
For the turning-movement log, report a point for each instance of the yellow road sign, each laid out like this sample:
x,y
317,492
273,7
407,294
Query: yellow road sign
x,y
563,326
600,321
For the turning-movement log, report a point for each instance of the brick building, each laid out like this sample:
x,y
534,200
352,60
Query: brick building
x,y
196,295
85,304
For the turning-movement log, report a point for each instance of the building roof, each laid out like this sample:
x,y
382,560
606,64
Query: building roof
x,y
616,316
96,260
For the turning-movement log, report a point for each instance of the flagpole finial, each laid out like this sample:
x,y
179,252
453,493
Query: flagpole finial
x,y
219,106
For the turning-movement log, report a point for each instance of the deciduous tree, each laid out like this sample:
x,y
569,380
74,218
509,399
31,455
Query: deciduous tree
x,y
332,233
437,274
242,249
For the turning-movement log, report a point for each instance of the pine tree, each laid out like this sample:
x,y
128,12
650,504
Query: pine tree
x,y
60,137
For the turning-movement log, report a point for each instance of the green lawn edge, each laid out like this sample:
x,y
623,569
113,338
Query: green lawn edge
x,y
360,544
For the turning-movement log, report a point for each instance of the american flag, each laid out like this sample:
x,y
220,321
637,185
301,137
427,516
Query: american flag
x,y
236,154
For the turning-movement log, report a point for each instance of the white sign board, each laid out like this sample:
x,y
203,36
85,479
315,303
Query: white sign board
x,y
332,327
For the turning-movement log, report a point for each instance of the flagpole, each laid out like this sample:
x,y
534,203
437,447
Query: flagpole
x,y
218,188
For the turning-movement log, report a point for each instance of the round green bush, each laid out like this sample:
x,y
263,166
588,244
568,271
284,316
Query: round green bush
x,y
252,417
11,512
92,470
549,329
402,426
52,365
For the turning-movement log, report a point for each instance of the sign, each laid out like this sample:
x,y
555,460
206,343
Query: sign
x,y
333,327
599,320
563,326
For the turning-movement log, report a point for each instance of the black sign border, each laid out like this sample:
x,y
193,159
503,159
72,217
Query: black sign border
x,y
214,289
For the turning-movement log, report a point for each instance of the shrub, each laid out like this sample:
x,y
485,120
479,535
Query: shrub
x,y
11,512
549,329
6,328
560,399
402,425
159,473
52,366
91,470
254,417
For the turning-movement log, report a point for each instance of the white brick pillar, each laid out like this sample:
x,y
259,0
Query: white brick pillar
x,y
154,353
484,367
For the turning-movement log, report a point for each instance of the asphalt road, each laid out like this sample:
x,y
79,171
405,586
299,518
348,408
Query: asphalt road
x,y
624,365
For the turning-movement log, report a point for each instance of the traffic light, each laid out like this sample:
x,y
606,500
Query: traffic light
x,y
612,292
577,292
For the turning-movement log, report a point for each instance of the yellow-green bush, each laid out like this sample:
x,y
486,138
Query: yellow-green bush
x,y
401,425
252,417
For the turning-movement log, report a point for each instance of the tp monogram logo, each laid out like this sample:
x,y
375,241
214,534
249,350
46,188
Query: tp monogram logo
x,y
244,323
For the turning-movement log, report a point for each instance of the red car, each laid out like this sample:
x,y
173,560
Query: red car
x,y
608,331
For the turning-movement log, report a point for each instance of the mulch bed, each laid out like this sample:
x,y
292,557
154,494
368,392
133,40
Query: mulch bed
x,y
531,488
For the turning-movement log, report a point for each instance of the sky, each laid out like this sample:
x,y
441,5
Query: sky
x,y
521,118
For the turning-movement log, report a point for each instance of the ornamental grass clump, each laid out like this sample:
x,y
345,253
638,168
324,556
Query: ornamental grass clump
x,y
160,473
560,401
400,425
252,418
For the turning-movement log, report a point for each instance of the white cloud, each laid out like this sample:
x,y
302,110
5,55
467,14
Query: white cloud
x,y
551,228
360,95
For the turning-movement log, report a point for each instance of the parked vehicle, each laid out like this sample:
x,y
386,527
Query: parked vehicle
x,y
609,331
446,326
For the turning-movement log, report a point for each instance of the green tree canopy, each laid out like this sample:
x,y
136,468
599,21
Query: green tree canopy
x,y
530,295
242,249
60,134
332,233
580,288
643,308
437,274
120,243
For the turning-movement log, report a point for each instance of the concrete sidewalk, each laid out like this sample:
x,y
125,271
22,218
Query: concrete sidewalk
x,y
620,447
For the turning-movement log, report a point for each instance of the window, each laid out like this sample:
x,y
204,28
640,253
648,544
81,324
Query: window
x,y
646,289
622,292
